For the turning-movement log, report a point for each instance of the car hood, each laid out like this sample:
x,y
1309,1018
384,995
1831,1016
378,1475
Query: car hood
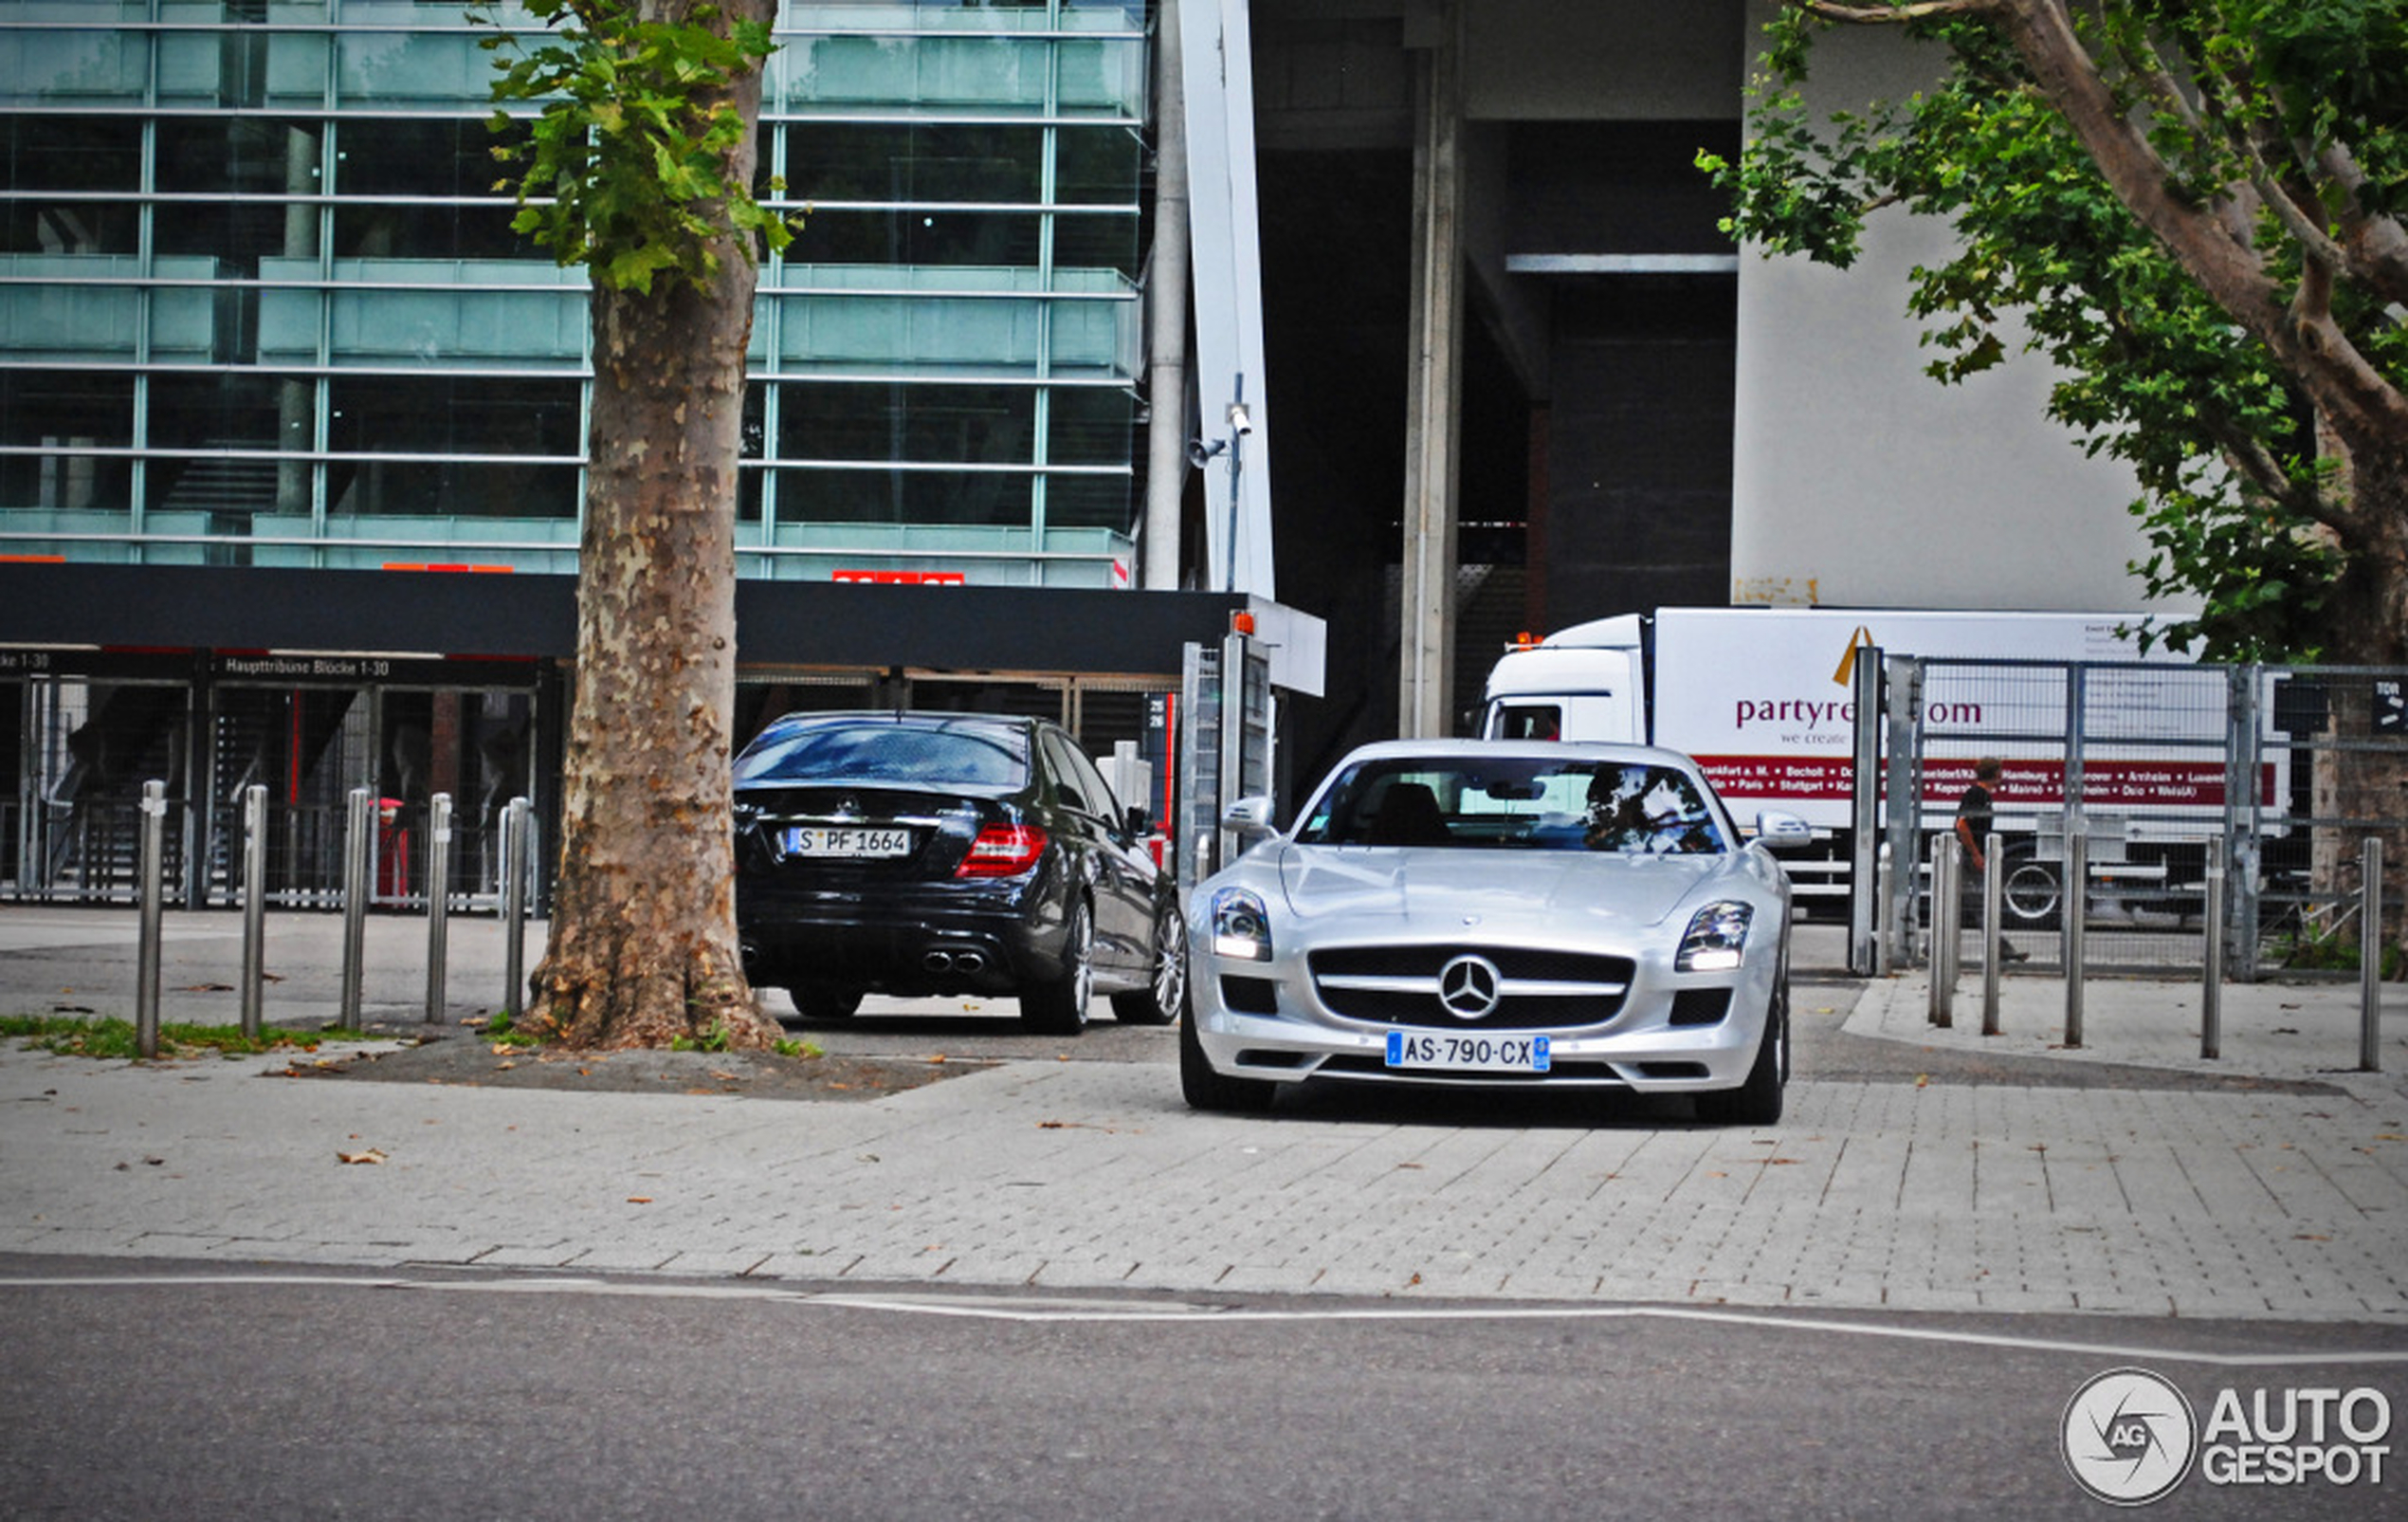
x,y
1412,889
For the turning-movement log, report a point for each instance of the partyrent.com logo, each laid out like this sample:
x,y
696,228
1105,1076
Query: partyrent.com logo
x,y
2130,1436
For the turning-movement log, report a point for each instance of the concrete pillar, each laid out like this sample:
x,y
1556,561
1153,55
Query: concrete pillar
x,y
1433,386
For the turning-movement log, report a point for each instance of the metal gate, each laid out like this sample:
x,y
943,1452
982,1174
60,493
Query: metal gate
x,y
1225,753
2166,771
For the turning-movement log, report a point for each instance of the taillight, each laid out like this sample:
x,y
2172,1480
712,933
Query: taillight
x,y
1003,850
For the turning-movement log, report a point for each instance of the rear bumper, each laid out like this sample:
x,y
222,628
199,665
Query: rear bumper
x,y
929,940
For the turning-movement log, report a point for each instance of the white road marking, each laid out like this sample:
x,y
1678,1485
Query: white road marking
x,y
1102,1310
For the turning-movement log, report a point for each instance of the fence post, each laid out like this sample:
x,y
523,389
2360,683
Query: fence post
x,y
2370,955
1943,930
1994,882
2074,914
254,907
2212,977
359,853
514,906
146,969
438,901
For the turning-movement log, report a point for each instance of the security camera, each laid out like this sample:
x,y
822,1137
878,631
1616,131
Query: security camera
x,y
1200,453
1240,421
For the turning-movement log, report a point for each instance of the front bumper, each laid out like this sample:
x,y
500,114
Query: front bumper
x,y
1670,1031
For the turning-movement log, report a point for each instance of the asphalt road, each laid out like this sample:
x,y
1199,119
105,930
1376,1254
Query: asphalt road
x,y
156,1390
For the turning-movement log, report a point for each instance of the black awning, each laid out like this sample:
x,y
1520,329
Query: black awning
x,y
1046,630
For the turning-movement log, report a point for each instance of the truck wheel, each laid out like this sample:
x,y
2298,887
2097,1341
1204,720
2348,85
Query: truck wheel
x,y
2032,896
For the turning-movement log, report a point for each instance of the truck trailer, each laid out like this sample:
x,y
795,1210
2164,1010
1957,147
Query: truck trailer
x,y
1764,699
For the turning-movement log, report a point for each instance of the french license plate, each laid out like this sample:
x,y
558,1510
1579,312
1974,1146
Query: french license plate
x,y
846,841
1468,1053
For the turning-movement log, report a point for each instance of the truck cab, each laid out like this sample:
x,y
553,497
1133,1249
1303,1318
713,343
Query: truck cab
x,y
1588,682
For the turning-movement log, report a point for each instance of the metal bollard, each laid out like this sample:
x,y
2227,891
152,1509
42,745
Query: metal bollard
x,y
2212,975
1994,884
438,902
146,968
2370,955
359,851
2075,917
514,906
254,907
1944,930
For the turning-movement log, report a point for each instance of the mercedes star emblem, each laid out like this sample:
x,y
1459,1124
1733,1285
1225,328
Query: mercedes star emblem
x,y
1468,988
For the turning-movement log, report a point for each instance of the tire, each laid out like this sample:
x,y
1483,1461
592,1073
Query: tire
x,y
1059,1005
1160,1001
2031,898
1758,1100
825,1002
1204,1088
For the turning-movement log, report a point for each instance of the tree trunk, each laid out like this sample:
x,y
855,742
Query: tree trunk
x,y
642,944
2367,614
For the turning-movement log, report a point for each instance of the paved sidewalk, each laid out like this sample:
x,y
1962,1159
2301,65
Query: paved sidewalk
x,y
2172,1197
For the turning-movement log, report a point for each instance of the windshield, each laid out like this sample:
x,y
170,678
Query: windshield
x,y
1516,802
896,752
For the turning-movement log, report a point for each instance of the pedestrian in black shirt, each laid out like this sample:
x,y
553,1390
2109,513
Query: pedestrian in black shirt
x,y
1973,815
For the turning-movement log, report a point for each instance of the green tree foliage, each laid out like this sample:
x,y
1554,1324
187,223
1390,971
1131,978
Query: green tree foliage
x,y
2192,207
625,169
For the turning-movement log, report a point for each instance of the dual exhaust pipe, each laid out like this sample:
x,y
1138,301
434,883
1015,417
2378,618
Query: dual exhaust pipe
x,y
938,960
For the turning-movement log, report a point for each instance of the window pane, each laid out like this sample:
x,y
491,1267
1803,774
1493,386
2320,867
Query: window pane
x,y
1089,502
397,415
976,425
930,237
1091,425
998,498
1097,165
839,163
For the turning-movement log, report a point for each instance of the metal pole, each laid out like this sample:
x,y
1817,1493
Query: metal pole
x,y
146,970
1994,882
360,849
438,901
1943,930
2211,976
254,907
2077,918
2370,954
514,906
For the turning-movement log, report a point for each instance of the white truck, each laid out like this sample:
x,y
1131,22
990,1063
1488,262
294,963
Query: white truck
x,y
1762,697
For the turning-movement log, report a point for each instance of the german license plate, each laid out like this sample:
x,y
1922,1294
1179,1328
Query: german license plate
x,y
1448,1051
846,841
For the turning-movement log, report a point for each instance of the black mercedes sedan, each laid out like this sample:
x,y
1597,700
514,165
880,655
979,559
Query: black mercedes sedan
x,y
933,854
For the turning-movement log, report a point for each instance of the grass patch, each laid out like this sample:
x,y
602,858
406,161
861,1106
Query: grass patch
x,y
499,1030
73,1035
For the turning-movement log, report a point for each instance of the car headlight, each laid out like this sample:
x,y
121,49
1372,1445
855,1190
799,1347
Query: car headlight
x,y
1241,926
1717,936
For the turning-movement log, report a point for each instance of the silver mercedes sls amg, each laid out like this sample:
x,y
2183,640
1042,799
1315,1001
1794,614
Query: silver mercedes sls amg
x,y
1497,913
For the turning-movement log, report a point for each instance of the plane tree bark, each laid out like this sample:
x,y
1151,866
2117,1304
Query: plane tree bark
x,y
640,166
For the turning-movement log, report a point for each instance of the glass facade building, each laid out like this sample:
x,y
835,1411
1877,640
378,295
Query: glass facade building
x,y
261,304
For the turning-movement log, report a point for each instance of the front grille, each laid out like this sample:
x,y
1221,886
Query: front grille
x,y
1541,989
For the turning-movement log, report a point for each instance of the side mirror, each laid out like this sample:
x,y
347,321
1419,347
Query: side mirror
x,y
1136,822
1249,819
1777,831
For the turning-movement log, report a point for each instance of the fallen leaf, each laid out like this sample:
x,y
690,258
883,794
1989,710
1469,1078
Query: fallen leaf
x,y
639,1199
371,1155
